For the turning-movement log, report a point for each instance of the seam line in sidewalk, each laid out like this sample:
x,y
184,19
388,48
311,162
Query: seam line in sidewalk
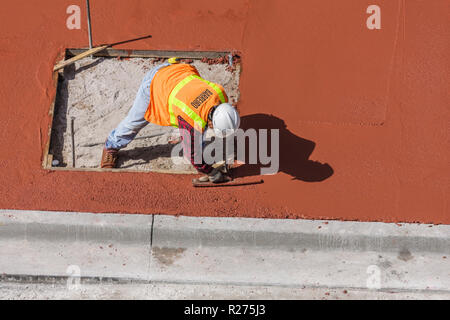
x,y
26,279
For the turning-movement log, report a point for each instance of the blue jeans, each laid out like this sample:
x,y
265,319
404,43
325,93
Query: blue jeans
x,y
127,130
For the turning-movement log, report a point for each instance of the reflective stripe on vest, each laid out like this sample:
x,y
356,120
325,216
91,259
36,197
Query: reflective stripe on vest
x,y
215,87
184,107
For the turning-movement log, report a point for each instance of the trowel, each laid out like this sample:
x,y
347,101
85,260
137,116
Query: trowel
x,y
204,182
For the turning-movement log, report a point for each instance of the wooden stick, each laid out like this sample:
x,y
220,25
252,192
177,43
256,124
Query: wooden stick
x,y
79,57
234,183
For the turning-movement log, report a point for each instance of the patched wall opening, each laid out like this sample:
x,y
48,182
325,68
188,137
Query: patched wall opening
x,y
95,94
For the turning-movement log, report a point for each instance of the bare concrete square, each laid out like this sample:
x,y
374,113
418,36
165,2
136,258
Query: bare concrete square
x,y
95,94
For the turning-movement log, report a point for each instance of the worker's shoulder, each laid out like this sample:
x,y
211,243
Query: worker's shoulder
x,y
180,70
183,66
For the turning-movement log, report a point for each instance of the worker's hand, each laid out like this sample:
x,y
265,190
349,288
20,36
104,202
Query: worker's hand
x,y
217,176
175,140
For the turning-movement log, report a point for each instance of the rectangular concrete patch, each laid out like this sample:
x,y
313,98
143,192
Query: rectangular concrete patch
x,y
95,95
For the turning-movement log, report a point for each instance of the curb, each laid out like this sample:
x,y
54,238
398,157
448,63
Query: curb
x,y
68,226
181,232
171,232
49,247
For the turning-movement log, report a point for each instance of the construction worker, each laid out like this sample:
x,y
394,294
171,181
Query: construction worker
x,y
174,94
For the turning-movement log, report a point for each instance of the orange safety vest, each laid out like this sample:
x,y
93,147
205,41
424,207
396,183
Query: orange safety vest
x,y
178,90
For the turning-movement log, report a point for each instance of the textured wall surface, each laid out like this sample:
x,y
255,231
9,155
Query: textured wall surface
x,y
372,104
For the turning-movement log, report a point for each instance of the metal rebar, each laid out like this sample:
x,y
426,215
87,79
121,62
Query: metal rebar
x,y
230,60
72,133
89,23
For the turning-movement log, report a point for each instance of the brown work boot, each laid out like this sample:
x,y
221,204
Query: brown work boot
x,y
109,158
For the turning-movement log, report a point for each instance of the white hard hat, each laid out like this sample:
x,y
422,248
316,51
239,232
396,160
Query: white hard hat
x,y
225,120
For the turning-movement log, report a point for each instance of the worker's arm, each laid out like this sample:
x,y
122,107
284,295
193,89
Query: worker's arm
x,y
191,145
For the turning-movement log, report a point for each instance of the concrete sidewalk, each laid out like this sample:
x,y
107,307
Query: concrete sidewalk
x,y
57,247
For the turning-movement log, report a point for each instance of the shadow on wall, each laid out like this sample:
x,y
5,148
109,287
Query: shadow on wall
x,y
294,152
